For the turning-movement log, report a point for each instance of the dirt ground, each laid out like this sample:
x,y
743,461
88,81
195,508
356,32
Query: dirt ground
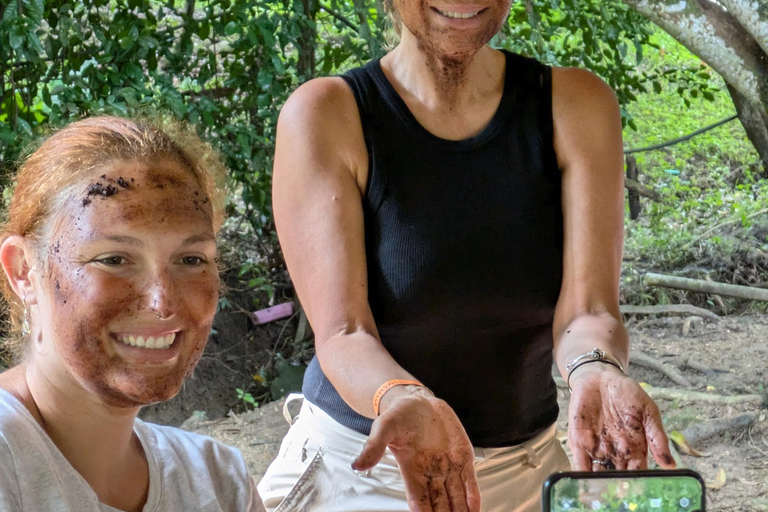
x,y
734,349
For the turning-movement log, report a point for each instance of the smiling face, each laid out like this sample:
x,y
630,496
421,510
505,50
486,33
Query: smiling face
x,y
129,286
452,29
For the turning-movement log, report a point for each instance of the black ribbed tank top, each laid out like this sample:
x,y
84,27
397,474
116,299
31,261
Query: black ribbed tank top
x,y
464,249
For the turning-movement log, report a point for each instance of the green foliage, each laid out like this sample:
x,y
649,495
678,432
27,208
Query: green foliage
x,y
605,36
222,65
710,179
247,399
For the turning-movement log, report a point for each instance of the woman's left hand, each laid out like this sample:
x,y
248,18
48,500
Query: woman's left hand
x,y
613,421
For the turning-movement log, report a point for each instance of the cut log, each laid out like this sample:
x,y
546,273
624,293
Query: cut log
x,y
698,285
704,430
668,370
675,309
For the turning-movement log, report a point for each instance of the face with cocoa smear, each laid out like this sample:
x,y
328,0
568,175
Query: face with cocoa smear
x,y
127,288
452,29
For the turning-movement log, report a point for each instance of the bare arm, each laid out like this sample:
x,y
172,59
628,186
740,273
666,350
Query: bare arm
x,y
611,421
590,154
319,179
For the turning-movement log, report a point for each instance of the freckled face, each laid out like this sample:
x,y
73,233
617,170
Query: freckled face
x,y
136,261
453,28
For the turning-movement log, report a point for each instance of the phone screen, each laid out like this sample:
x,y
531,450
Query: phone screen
x,y
617,493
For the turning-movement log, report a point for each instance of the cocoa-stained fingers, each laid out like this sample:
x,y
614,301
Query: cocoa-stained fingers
x,y
438,495
471,487
374,447
454,489
582,461
416,492
658,442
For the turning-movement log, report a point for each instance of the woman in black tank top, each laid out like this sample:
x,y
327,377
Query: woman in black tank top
x,y
451,216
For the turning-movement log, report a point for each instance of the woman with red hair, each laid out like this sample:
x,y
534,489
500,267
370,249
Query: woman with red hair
x,y
109,250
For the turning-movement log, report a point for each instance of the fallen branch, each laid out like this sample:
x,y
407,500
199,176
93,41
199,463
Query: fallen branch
x,y
696,396
698,285
641,190
699,432
700,367
687,395
668,370
676,309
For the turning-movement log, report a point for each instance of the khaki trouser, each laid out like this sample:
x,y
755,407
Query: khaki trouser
x,y
313,473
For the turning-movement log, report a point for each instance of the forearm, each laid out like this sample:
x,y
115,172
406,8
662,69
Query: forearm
x,y
357,364
586,332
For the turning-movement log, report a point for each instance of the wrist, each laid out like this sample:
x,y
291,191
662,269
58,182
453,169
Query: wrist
x,y
584,371
399,392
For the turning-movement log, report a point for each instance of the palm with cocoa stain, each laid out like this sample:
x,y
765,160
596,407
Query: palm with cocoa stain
x,y
611,419
433,451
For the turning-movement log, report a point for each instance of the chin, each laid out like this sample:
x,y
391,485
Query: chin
x,y
128,393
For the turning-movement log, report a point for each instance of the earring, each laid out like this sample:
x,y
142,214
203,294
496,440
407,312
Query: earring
x,y
25,328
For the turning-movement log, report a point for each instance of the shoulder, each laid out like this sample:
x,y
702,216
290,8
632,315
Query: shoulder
x,y
326,100
578,91
587,122
188,446
197,467
320,130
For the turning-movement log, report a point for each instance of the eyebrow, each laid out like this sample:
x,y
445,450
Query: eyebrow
x,y
129,240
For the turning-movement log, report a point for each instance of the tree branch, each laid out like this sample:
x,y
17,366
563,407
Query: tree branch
x,y
753,20
641,190
715,36
680,139
340,17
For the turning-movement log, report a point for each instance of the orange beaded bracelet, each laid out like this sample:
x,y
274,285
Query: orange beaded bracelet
x,y
386,387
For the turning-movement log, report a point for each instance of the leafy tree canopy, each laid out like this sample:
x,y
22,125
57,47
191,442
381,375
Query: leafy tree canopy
x,y
227,66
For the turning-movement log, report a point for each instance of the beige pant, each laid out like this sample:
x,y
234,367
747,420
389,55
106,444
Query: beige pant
x,y
313,473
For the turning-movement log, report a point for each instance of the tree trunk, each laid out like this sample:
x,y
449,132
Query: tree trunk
x,y
754,118
307,41
634,198
731,36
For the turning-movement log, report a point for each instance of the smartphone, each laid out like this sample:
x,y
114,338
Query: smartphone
x,y
677,490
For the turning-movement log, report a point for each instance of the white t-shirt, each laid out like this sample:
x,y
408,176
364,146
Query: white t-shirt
x,y
187,472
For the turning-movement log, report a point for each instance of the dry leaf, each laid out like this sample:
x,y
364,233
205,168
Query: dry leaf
x,y
645,386
719,481
683,446
745,481
711,388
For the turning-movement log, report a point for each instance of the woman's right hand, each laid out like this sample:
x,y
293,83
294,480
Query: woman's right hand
x,y
432,450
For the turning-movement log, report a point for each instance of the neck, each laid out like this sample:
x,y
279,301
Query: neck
x,y
96,439
450,81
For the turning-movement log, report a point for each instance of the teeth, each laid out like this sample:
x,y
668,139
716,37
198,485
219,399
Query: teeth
x,y
161,342
458,15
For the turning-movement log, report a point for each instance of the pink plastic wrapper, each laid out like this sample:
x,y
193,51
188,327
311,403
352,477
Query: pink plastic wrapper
x,y
264,316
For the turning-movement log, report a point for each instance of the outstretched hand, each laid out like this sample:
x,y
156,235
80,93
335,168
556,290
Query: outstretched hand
x,y
433,451
613,421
